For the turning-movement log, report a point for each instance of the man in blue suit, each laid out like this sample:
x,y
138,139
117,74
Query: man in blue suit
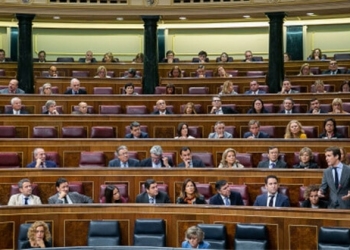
x,y
188,161
123,160
225,196
40,160
272,198
254,89
135,131
254,128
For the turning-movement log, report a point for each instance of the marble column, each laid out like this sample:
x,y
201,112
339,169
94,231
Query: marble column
x,y
275,74
150,62
25,72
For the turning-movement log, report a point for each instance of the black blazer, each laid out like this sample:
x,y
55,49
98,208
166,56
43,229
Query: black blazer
x,y
167,112
161,197
199,200
175,60
328,72
23,112
228,110
335,136
264,111
321,111
312,164
284,111
80,92
148,162
260,135
142,135
195,163
82,60
321,204
235,198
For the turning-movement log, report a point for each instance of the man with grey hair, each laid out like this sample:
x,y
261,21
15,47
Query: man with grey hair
x,y
25,197
16,108
219,131
123,160
12,88
50,107
157,160
40,160
75,88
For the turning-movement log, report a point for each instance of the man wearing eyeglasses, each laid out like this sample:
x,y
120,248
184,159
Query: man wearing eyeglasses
x,y
161,109
218,109
333,69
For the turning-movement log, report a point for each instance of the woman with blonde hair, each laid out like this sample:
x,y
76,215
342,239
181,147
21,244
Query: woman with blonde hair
x,y
101,72
138,58
189,194
39,236
343,156
319,87
227,89
229,160
316,54
46,89
294,130
194,238
305,70
189,109
108,57
221,72
337,107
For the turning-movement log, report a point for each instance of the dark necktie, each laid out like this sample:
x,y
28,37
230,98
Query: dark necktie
x,y
65,200
336,178
273,165
26,201
271,200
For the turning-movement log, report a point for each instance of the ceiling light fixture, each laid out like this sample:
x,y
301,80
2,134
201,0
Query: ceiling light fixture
x,y
246,16
56,18
120,18
182,18
310,14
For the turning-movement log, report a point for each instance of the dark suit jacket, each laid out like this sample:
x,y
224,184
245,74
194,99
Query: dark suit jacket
x,y
195,163
131,163
80,92
74,196
235,198
321,204
279,164
175,60
228,110
336,135
167,112
160,198
336,194
284,111
249,92
82,60
328,72
321,111
312,164
23,112
148,162
49,164
260,135
281,200
143,135
199,200
264,111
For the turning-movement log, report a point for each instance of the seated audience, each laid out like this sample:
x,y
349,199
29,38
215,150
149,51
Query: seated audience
x,y
50,107
189,109
286,57
248,54
41,56
311,198
225,196
53,72
217,108
89,58
337,107
187,159
129,89
227,89
135,131
38,235
63,195
294,130
203,56
101,72
287,88
343,158
46,89
123,160
75,88
189,194
273,161
25,197
200,72
175,72
112,195
152,195
330,130
161,109
40,160
170,89
272,198
157,160
12,88
257,107
109,58
333,69
170,57
306,159
319,87
316,55
305,70
224,57
16,108
219,131
182,131
315,107
254,89
228,159
254,131
131,74
345,87
194,238
83,109
138,58
288,106
221,72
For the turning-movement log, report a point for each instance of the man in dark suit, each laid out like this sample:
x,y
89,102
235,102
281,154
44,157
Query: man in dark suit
x,y
152,194
254,131
89,58
3,56
63,195
41,57
123,159
273,161
40,160
254,89
225,196
75,88
217,108
16,108
272,198
135,131
188,162
157,160
315,107
161,109
336,179
288,106
333,69
287,88
248,54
